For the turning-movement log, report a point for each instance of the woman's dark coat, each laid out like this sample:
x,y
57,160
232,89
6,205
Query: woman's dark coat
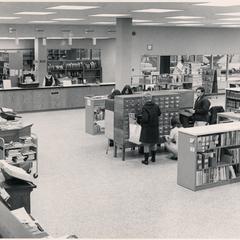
x,y
201,108
149,123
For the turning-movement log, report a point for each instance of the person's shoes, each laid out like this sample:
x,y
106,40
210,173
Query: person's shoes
x,y
145,162
173,157
153,159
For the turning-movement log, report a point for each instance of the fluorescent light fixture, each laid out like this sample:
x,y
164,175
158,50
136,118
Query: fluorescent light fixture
x,y
140,20
231,26
184,17
43,22
110,15
68,19
156,10
104,23
149,24
230,19
183,22
7,38
73,7
35,13
229,14
190,25
226,23
219,3
8,18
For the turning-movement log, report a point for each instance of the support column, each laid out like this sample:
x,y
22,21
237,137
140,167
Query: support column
x,y
123,52
40,53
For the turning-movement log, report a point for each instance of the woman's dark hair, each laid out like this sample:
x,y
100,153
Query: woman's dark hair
x,y
127,90
202,89
114,93
175,122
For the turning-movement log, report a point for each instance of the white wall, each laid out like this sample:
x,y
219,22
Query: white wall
x,y
184,40
11,44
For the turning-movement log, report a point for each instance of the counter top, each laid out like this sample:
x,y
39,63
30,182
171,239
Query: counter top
x,y
58,87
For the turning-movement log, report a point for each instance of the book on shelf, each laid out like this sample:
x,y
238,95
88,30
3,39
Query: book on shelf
x,y
232,172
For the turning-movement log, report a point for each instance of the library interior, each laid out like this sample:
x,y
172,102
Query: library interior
x,y
119,119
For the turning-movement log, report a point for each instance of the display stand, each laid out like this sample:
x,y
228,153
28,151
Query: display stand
x,y
94,114
209,156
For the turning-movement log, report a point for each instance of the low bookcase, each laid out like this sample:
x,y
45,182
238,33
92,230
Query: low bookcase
x,y
209,156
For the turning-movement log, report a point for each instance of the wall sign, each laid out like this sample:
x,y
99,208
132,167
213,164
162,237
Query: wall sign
x,y
149,47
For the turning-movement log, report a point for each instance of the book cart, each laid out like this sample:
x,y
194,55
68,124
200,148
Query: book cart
x,y
94,114
19,147
171,102
209,156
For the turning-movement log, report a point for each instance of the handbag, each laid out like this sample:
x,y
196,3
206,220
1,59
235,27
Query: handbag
x,y
134,133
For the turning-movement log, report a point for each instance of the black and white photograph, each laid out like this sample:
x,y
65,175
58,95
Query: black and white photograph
x,y
120,119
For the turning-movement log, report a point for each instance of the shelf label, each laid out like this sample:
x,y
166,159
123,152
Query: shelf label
x,y
192,149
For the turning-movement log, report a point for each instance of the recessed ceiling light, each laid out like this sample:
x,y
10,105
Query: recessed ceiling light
x,y
8,18
184,17
34,13
42,21
190,25
229,19
183,22
109,15
72,7
149,24
229,14
68,19
140,21
104,23
156,10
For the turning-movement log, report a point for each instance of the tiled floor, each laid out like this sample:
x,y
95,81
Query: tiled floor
x,y
83,191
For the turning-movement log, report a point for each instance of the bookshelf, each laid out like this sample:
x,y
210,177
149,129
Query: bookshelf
x,y
232,100
171,102
209,156
76,63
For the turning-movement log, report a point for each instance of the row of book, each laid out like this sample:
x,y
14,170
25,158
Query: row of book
x,y
233,94
218,157
231,138
212,175
207,142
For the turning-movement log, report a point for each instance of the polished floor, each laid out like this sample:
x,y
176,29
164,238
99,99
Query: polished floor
x,y
84,191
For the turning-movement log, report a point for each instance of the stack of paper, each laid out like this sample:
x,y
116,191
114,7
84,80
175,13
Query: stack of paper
x,y
10,171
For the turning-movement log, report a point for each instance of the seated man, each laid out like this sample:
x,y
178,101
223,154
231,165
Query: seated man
x,y
172,140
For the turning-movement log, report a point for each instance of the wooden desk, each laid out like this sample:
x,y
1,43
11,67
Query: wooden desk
x,y
228,117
